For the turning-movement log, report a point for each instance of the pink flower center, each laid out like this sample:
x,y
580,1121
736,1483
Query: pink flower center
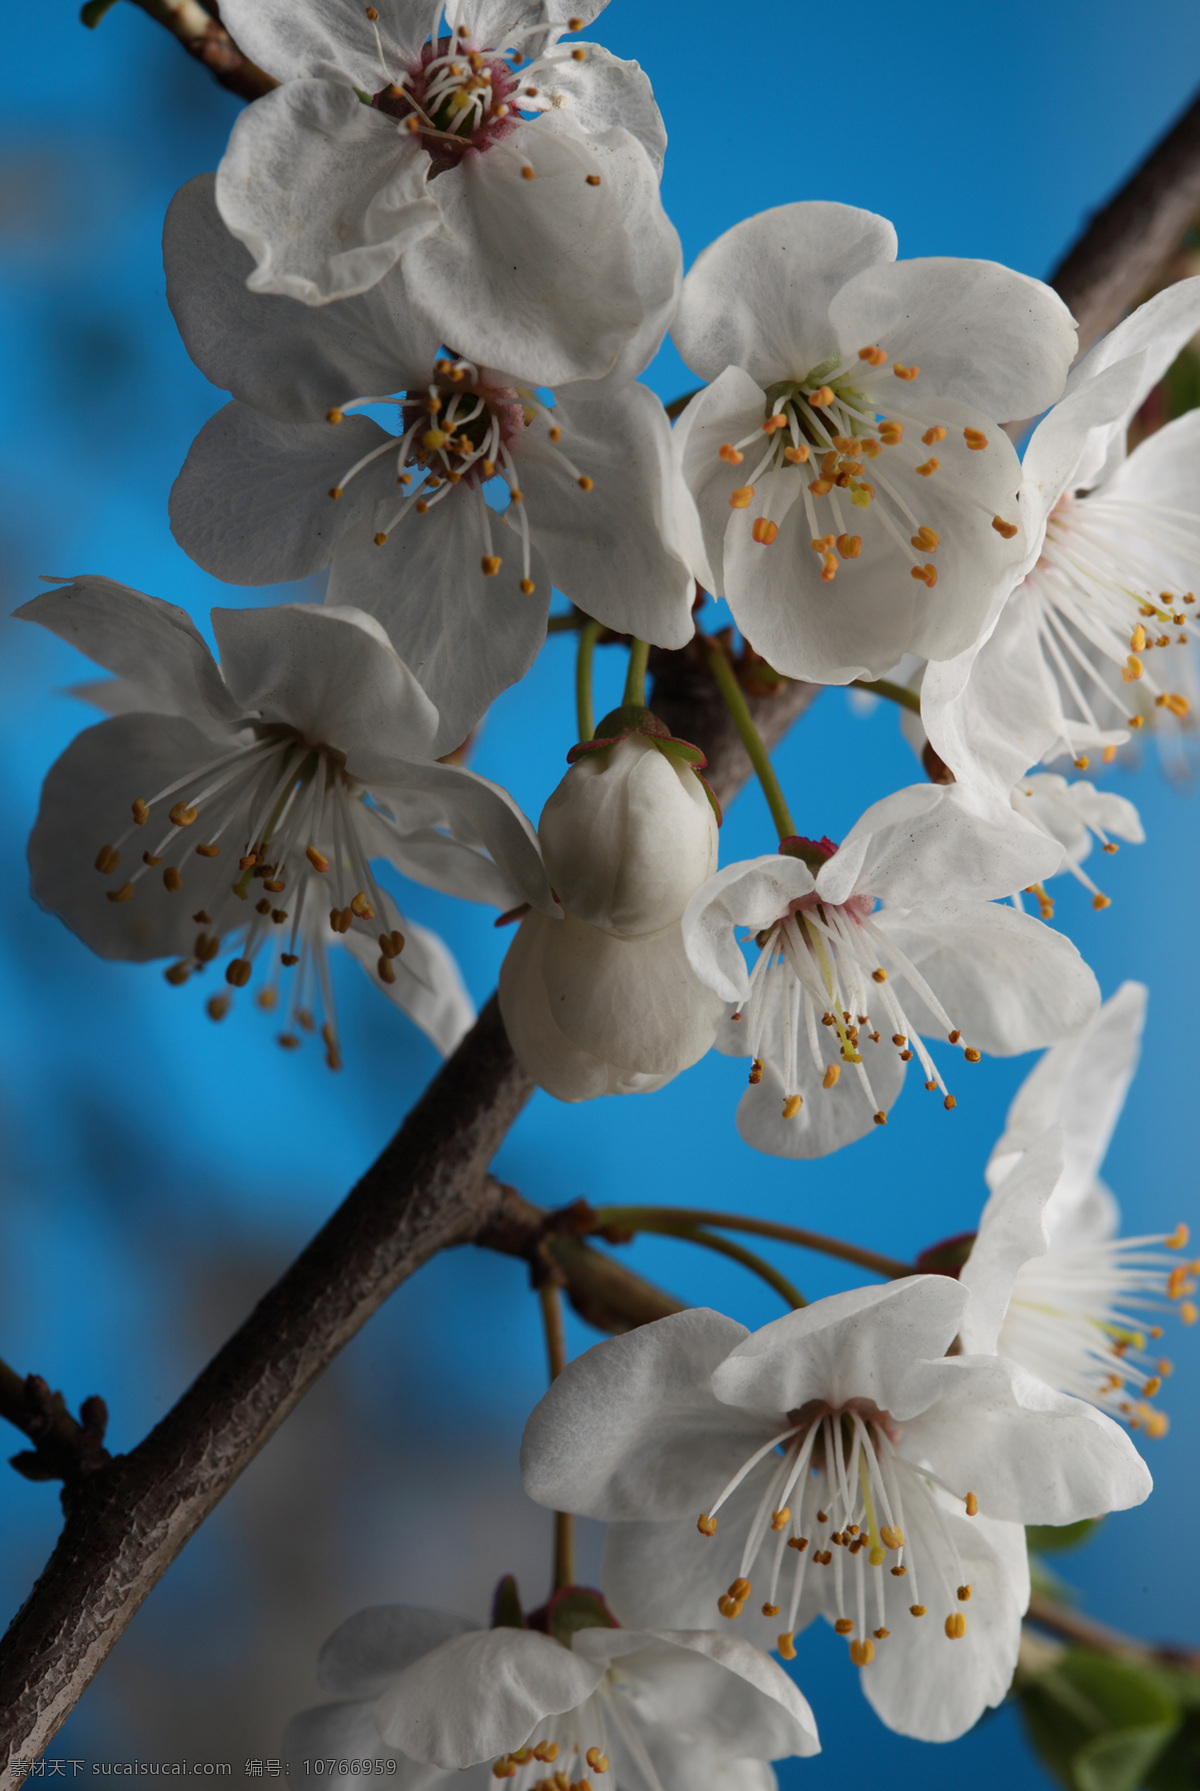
x,y
454,99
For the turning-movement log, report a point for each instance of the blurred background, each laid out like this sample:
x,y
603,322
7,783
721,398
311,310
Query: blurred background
x,y
158,1172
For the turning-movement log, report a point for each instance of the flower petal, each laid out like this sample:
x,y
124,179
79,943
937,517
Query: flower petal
x,y
326,193
348,1732
252,502
535,276
1153,335
632,1428
481,1695
979,332
366,1650
1011,1230
327,34
755,893
428,984
829,1117
602,91
727,411
292,361
332,674
759,297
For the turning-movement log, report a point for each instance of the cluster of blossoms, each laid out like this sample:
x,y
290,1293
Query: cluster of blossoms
x,y
429,272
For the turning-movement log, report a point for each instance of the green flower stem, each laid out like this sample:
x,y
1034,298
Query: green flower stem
x,y
556,1351
588,635
643,1218
895,693
665,1222
635,677
735,702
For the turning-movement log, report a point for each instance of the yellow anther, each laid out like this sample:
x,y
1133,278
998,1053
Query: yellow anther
x,y
730,455
593,180
1187,1313
141,811
435,438
975,438
822,397
181,815
964,1593
971,1054
956,1626
1178,705
579,55
949,1103
1101,901
829,566
844,1626
504,1767
929,467
792,1106
1082,762
527,173
596,1760
927,540
820,487
489,564
786,1644
797,456
849,546
1007,529
107,860
729,1607
775,421
916,1610
1137,639
1157,1424
387,973
1178,1238
1152,1386
706,1525
862,1653
124,894
905,372
574,23
1165,1367
546,1751
334,416
972,1504
527,587
756,1072
935,433
317,859
829,1079
874,357
891,1537
799,1543
877,1555
203,851
1132,670
764,532
217,1006
927,574
380,540
740,1589
781,1518
898,1573
770,1610
880,1118
360,906
237,972
742,498
172,881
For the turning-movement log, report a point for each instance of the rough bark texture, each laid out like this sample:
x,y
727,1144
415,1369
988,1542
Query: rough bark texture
x,y
1126,243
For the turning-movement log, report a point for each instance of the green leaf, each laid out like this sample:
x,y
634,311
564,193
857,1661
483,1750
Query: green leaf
x,y
1050,1539
1099,1724
506,1605
575,1608
1178,1766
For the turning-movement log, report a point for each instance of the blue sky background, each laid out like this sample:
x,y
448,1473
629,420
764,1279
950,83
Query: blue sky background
x,y
160,1171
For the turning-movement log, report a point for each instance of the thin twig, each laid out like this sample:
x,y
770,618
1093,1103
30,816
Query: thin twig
x,y
203,37
674,1227
64,1448
1086,1632
556,1353
640,1218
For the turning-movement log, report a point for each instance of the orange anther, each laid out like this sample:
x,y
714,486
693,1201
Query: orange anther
x,y
929,467
1178,1238
926,539
874,357
797,456
1007,529
792,1106
905,372
781,1518
935,433
926,573
844,1626
849,546
975,438
730,455
829,568
891,433
972,1504
764,532
787,1645
822,397
742,498
863,1653
830,1078
820,487
707,1526
956,1626
1132,670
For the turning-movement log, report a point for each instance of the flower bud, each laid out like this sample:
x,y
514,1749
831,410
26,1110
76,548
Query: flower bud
x,y
628,836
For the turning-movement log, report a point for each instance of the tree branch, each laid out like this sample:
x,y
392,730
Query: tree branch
x,y
1127,241
203,37
1086,1632
63,1448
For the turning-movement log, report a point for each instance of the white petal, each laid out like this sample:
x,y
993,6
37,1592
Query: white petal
x,y
481,1695
829,1117
921,1683
151,645
865,1344
326,193
666,1575
726,412
718,1689
252,503
1029,1454
465,635
1011,1231
332,674
435,998
922,850
1153,335
85,803
532,275
759,297
602,91
1081,1086
632,1428
1068,444
292,361
612,550
1010,983
979,332
348,1732
289,41
755,893
365,1651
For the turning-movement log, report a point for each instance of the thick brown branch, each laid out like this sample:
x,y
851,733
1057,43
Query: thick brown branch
x,y
1128,240
209,42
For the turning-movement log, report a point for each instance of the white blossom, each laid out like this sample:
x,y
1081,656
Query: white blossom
x,y
1052,1284
240,806
841,1464
651,1710
511,181
604,1001
856,496
1112,552
841,994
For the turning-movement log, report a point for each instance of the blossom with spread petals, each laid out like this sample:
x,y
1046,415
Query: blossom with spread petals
x,y
1052,1285
1112,552
510,180
841,994
604,1001
584,1704
242,805
841,1464
286,480
1075,814
856,495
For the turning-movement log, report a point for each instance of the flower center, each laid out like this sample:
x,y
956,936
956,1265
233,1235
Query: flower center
x,y
836,1496
1073,1320
1101,612
462,430
820,965
826,431
285,812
